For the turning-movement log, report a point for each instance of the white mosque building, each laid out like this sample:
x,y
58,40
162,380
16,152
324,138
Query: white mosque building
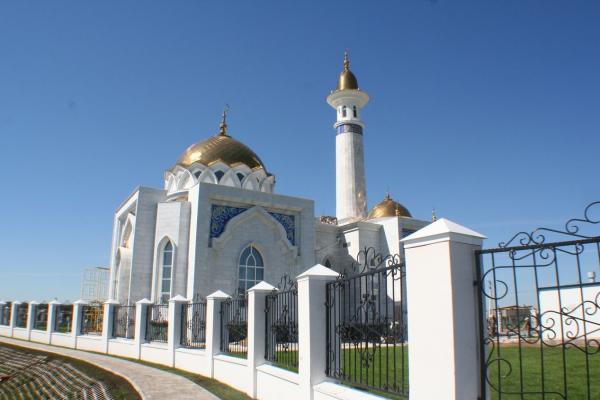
x,y
218,225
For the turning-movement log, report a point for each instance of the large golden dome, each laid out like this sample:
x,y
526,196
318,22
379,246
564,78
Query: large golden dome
x,y
388,208
347,79
220,147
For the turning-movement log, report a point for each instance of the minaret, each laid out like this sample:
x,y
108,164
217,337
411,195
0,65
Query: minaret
x,y
350,188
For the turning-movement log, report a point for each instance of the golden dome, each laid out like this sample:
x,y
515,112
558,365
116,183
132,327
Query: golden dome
x,y
347,79
220,147
388,208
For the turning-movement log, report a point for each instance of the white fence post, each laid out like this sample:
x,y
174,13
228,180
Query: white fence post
x,y
174,327
141,308
107,322
52,307
256,330
213,327
312,327
77,317
31,317
13,317
440,280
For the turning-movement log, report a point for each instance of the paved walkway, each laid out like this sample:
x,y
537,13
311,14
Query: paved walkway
x,y
151,383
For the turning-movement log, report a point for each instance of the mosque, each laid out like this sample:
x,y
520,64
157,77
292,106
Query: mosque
x,y
218,225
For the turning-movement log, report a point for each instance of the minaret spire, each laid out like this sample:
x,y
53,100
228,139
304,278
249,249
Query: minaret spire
x,y
347,100
223,126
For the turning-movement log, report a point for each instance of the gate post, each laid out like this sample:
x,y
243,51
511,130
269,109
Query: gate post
x,y
174,327
256,329
312,322
141,308
213,327
443,312
107,323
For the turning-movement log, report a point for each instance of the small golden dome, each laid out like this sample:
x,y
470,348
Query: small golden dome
x,y
347,79
388,208
220,147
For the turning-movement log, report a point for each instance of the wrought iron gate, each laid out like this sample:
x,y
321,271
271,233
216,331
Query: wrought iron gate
x,y
366,325
540,325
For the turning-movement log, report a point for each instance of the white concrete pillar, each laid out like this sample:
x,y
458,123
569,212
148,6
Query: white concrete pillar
x,y
141,308
52,308
174,327
443,312
108,319
256,330
77,317
31,317
13,316
213,327
312,340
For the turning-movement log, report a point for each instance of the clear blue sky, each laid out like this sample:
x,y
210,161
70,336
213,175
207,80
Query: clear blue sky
x,y
488,111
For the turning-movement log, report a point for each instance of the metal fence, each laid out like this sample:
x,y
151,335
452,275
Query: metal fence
x,y
63,318
540,319
124,322
193,325
22,314
366,326
92,317
281,325
5,313
40,321
157,323
234,326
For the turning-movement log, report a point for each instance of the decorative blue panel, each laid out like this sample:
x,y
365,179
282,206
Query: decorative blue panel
x,y
349,128
221,215
406,232
289,224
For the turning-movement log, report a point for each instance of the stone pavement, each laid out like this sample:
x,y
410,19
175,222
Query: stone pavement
x,y
151,383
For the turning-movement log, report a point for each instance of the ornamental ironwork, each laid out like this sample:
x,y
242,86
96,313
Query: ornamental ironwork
x,y
157,323
281,316
234,326
540,318
193,325
366,326
124,322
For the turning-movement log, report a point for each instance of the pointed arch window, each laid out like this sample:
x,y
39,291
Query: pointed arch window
x,y
344,111
251,268
166,274
354,111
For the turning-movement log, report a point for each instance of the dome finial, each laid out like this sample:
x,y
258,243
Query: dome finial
x,y
223,126
433,216
346,61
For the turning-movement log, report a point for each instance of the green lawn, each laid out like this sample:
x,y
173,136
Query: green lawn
x,y
561,378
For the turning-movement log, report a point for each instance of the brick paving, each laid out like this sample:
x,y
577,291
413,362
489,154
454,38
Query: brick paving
x,y
151,383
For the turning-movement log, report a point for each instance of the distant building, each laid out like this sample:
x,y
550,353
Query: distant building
x,y
94,285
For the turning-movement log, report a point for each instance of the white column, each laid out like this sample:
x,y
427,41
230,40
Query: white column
x,y
107,322
77,317
141,308
52,307
213,327
13,316
174,327
256,330
31,317
443,312
312,327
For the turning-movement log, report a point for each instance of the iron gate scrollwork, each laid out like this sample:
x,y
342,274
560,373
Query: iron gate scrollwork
x,y
234,326
281,324
540,320
366,324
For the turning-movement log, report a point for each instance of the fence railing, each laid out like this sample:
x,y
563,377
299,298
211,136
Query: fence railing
x,y
63,318
193,325
92,319
234,326
281,326
157,323
40,321
366,327
5,313
22,314
124,322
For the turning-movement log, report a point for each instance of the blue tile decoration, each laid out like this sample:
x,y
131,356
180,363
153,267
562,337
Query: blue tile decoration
x,y
406,232
221,215
288,223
